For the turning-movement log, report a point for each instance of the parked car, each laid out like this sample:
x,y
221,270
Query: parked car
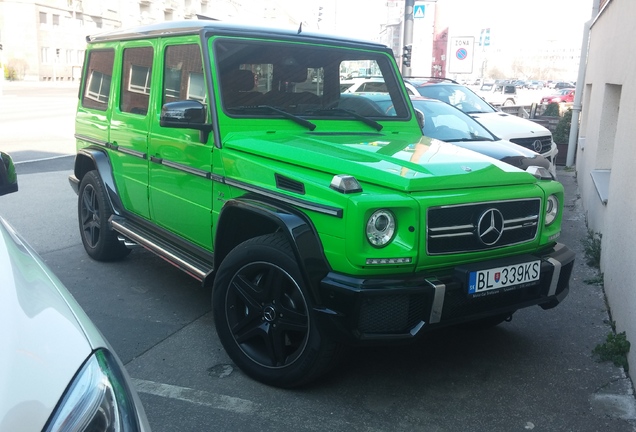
x,y
534,85
563,85
57,371
562,96
523,132
499,94
318,222
449,124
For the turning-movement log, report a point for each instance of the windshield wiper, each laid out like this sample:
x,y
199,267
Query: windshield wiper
x,y
374,124
301,121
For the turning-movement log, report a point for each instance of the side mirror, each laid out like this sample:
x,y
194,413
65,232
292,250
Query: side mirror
x,y
8,176
420,119
187,114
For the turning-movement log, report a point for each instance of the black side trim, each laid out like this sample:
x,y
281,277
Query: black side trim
x,y
101,163
250,216
304,204
181,167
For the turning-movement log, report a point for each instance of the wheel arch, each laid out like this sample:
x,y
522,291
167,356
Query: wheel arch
x,y
245,218
89,159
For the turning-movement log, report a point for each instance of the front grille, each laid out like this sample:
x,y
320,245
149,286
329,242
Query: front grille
x,y
546,143
391,314
455,229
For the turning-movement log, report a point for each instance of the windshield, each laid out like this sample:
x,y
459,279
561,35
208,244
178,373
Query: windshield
x,y
443,122
459,96
300,79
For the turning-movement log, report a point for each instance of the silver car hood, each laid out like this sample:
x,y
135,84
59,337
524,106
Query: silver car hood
x,y
509,127
42,340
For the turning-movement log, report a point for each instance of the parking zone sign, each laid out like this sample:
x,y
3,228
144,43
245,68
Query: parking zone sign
x,y
460,55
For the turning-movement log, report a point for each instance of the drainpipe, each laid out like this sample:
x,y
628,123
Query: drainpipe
x,y
580,83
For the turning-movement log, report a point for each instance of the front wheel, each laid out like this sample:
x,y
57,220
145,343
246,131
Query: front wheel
x,y
93,212
264,318
509,102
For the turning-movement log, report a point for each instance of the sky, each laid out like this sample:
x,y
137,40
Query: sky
x,y
509,20
522,20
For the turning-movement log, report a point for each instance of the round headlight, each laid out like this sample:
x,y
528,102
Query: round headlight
x,y
381,228
551,209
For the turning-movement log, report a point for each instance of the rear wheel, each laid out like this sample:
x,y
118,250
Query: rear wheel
x,y
264,317
93,211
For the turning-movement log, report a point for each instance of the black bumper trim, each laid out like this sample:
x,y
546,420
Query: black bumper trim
x,y
402,307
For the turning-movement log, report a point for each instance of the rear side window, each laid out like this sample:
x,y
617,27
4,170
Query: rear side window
x,y
136,74
99,72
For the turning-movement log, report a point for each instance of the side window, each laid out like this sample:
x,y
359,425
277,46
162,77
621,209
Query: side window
x,y
99,72
136,73
183,74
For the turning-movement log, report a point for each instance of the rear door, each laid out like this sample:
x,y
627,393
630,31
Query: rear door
x,y
129,124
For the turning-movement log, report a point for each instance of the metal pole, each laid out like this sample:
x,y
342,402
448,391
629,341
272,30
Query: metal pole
x,y
408,32
580,82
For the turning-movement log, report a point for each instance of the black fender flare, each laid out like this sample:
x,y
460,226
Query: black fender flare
x,y
250,216
88,159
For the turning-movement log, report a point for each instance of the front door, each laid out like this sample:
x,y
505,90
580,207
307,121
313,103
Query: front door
x,y
180,165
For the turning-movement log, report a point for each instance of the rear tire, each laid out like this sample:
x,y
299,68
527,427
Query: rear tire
x,y
264,316
93,212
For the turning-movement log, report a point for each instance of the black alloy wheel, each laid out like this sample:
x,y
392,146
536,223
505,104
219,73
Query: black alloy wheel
x,y
100,242
263,315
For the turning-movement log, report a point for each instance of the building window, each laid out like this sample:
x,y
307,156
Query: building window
x,y
70,58
45,55
43,18
136,74
98,87
196,87
56,20
99,71
172,83
139,79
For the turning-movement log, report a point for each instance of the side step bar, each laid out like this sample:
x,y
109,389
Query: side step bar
x,y
194,265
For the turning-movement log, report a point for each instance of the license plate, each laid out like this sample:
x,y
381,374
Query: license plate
x,y
516,275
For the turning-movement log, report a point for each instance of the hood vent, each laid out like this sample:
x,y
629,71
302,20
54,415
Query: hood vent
x,y
285,183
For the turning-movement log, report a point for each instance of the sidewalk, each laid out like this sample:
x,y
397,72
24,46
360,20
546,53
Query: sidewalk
x,y
588,319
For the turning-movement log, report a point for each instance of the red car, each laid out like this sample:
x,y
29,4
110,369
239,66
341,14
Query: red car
x,y
564,95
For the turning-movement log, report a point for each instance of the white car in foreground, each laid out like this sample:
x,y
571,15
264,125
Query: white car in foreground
x,y
57,372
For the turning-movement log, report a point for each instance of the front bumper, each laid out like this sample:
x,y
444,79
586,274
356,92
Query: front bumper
x,y
387,309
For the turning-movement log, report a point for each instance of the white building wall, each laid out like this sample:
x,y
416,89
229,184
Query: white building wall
x,y
609,127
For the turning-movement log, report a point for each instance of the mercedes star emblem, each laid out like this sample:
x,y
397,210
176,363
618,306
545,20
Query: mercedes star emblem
x,y
490,226
537,146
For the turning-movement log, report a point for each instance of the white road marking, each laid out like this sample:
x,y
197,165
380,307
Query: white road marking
x,y
199,397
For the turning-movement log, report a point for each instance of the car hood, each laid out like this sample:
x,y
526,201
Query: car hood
x,y
508,127
43,343
409,165
506,151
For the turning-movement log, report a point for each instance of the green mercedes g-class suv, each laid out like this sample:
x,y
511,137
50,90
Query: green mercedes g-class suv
x,y
321,220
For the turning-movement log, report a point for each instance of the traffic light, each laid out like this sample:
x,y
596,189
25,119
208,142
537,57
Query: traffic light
x,y
406,55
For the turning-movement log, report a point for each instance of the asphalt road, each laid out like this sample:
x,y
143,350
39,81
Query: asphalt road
x,y
534,373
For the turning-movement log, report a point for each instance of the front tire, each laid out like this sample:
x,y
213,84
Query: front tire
x,y
264,316
93,211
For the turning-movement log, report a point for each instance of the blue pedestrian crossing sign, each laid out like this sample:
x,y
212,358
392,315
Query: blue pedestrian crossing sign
x,y
418,11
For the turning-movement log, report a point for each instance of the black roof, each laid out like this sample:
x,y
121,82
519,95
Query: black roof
x,y
172,28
